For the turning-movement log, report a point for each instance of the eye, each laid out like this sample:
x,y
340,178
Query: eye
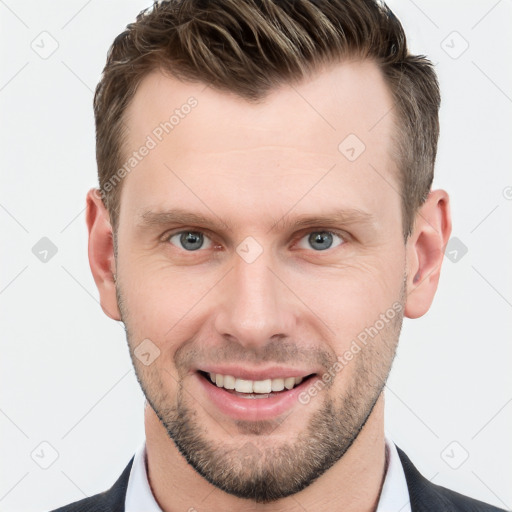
x,y
322,240
190,240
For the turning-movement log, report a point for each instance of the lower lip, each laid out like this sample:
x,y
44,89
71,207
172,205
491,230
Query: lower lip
x,y
253,409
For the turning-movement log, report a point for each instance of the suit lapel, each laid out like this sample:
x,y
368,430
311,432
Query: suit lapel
x,y
422,493
113,499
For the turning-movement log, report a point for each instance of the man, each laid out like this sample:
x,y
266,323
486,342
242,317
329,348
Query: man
x,y
264,222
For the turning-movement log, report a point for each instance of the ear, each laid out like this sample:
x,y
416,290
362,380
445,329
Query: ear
x,y
425,252
101,253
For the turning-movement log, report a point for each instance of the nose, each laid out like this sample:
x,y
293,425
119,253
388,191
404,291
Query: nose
x,y
255,305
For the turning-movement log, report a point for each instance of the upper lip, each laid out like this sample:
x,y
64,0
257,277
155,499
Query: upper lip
x,y
243,372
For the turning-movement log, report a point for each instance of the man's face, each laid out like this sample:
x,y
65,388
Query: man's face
x,y
252,294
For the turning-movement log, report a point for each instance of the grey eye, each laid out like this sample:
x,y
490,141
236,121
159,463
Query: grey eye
x,y
190,240
321,240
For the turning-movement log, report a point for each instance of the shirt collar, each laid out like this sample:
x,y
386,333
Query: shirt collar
x,y
394,496
138,494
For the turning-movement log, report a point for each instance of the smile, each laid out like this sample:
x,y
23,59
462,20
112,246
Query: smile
x,y
254,386
253,400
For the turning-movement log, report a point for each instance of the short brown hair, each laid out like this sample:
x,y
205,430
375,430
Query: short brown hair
x,y
250,47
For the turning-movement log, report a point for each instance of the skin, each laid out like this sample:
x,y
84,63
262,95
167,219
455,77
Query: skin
x,y
253,165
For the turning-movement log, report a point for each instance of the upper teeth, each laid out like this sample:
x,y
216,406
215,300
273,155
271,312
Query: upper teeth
x,y
253,386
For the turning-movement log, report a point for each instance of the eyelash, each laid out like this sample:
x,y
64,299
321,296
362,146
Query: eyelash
x,y
342,235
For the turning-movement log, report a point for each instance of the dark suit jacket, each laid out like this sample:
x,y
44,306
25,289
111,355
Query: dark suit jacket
x,y
425,496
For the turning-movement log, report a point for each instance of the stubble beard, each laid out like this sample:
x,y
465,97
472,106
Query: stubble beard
x,y
254,468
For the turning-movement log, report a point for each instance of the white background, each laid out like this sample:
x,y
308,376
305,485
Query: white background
x,y
66,376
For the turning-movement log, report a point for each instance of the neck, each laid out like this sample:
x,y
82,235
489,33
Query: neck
x,y
353,484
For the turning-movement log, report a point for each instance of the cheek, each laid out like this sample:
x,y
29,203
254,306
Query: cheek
x,y
157,294
351,299
163,304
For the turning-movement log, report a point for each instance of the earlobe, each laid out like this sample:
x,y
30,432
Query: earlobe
x,y
101,253
425,252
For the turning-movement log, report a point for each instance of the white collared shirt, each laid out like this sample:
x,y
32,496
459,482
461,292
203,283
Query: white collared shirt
x,y
394,496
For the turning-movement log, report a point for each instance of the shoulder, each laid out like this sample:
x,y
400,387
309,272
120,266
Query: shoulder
x,y
426,496
111,500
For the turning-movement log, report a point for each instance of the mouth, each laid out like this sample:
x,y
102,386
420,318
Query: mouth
x,y
254,389
253,400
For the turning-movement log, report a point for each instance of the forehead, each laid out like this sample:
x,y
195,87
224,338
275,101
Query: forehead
x,y
331,133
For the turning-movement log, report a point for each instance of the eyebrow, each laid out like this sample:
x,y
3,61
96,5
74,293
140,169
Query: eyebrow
x,y
149,218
